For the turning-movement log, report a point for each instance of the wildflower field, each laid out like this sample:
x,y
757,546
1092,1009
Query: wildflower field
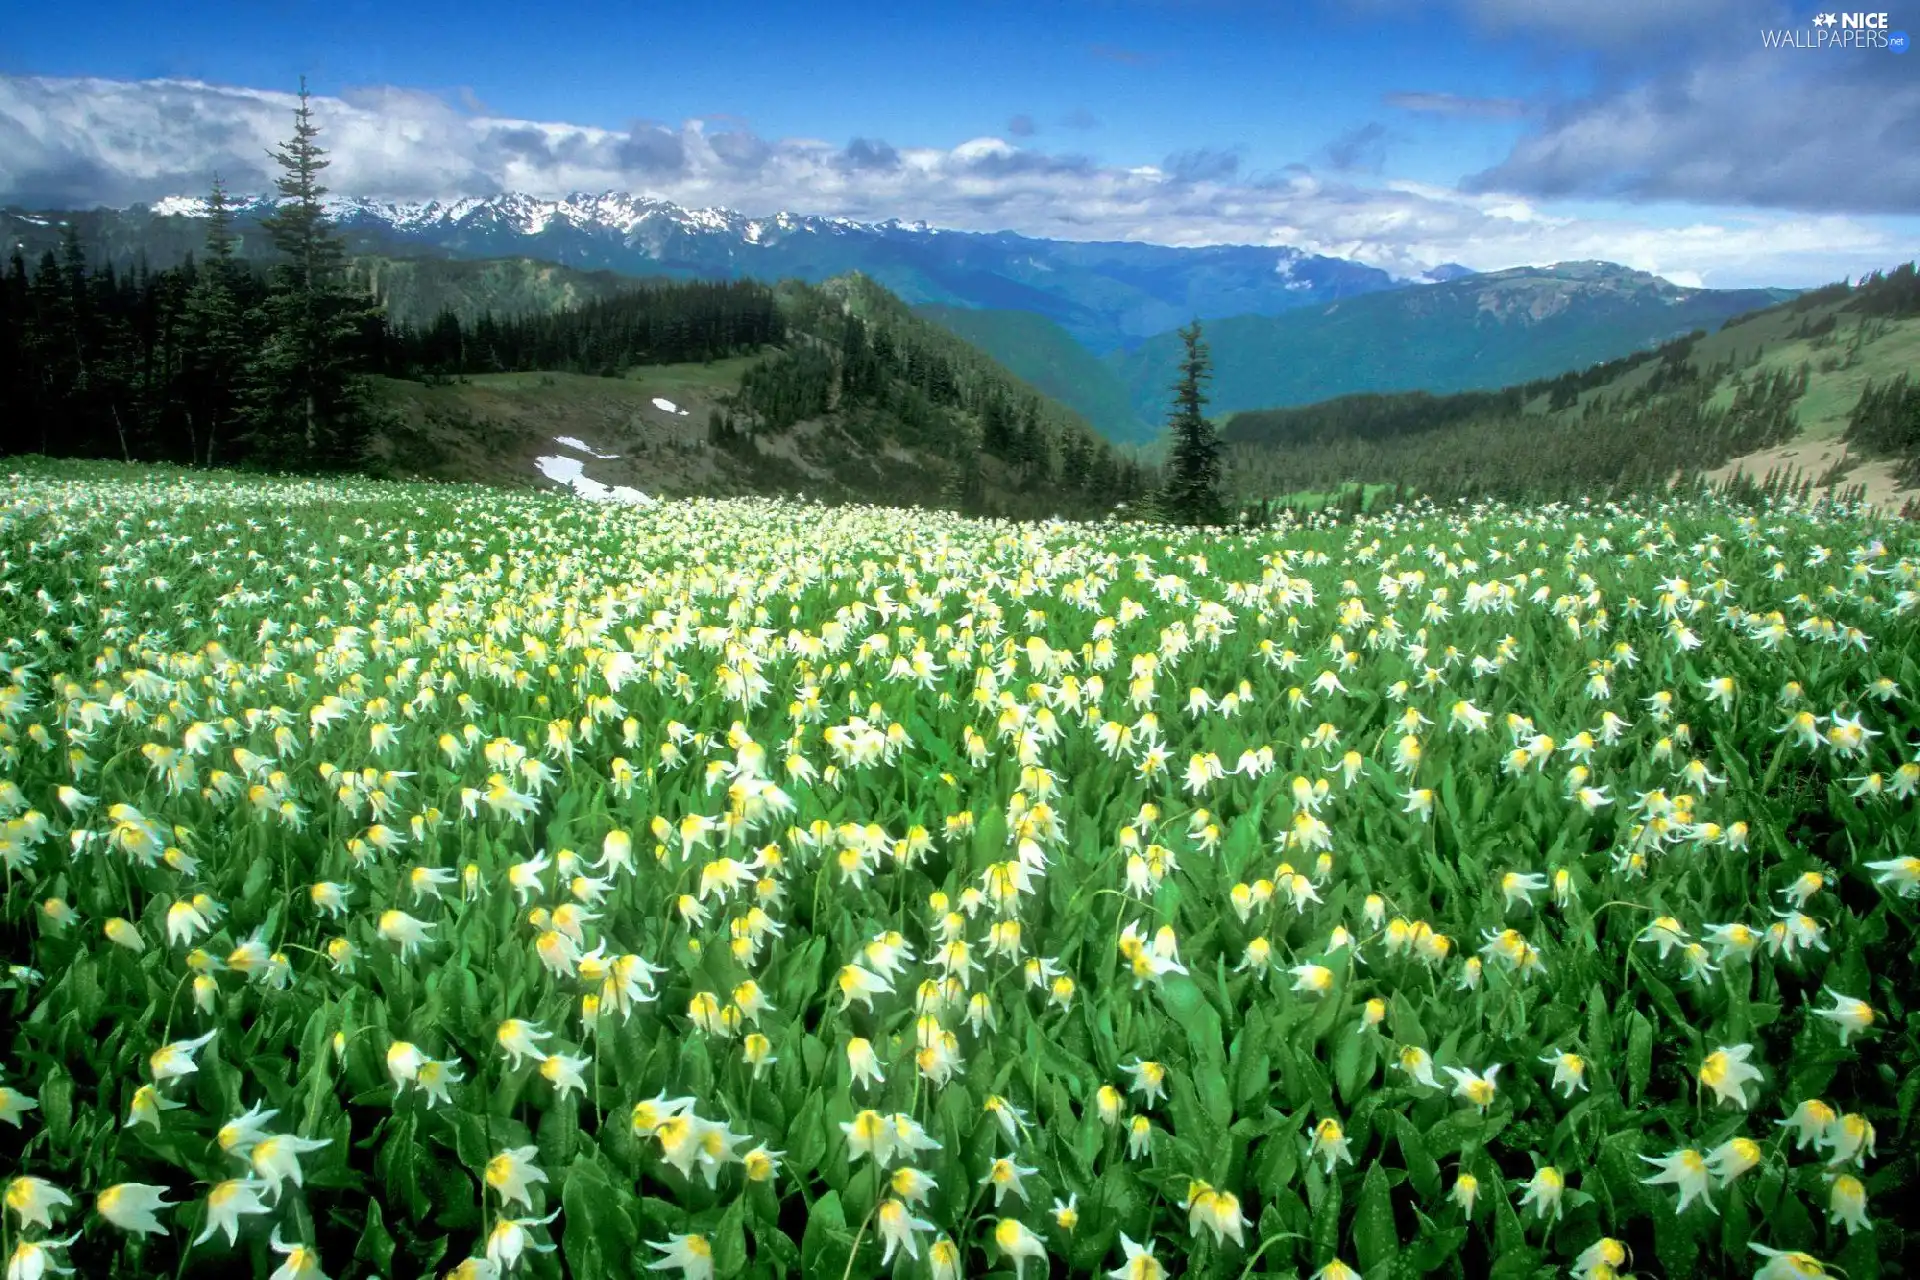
x,y
416,880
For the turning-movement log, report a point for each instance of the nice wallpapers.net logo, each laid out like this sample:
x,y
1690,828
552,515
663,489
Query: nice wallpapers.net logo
x,y
1838,31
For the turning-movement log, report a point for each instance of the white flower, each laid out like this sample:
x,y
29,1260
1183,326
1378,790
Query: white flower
x,y
227,1203
131,1206
1686,1169
277,1158
34,1200
900,1230
1849,1016
513,1173
690,1255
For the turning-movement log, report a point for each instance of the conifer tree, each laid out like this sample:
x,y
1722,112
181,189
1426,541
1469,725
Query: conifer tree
x,y
308,404
1193,462
216,344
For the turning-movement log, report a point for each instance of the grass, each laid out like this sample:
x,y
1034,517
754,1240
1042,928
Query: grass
x,y
655,378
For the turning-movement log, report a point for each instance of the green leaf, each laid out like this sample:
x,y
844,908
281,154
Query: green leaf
x,y
600,1233
1326,1223
774,1247
399,1173
1599,1022
826,1243
1436,1247
1354,1065
1193,1123
376,1246
1252,1081
808,1145
1211,1085
1639,1056
1453,1133
56,1106
1375,1239
1676,1240
1422,1169
730,1240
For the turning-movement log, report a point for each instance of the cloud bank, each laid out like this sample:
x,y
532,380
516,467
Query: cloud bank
x,y
83,142
1818,131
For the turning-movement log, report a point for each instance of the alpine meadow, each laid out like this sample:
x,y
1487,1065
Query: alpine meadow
x,y
1241,642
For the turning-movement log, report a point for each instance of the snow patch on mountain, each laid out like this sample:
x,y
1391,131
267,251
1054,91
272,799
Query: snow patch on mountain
x,y
572,473
581,446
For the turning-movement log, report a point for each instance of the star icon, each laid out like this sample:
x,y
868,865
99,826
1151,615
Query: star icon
x,y
1825,20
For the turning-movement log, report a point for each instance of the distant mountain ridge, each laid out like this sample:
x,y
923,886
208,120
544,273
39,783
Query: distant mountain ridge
x,y
1481,331
1285,327
1108,295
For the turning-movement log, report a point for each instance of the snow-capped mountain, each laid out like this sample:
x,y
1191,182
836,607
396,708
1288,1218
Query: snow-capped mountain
x,y
1108,295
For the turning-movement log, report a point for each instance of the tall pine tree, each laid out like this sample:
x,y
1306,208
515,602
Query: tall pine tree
x,y
217,343
308,405
1193,462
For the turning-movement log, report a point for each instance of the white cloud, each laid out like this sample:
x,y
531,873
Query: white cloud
x,y
85,142
1828,131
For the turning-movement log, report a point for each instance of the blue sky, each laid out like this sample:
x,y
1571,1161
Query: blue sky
x,y
1488,131
1279,80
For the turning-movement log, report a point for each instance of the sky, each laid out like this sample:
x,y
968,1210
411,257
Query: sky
x,y
1663,134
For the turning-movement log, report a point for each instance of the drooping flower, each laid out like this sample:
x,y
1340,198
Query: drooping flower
x,y
899,1229
227,1203
1686,1169
1848,1015
1726,1072
33,1201
1569,1071
1014,1241
1847,1204
1330,1142
1543,1192
131,1206
277,1160
1784,1265
1139,1262
171,1061
1476,1088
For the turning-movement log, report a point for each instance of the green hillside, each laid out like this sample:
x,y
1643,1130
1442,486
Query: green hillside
x,y
1820,389
859,400
523,373
1047,356
1484,331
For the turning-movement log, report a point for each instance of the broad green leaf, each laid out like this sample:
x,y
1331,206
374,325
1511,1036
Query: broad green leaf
x,y
1375,1239
824,1246
1639,1056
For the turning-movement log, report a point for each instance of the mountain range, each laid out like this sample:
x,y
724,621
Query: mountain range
x,y
1107,295
1091,323
1475,333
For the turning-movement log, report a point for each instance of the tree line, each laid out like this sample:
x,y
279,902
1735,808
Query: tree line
x,y
1640,440
222,361
648,324
213,362
1378,415
1886,420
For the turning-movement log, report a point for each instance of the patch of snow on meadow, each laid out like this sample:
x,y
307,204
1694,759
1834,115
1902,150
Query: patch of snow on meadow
x,y
572,473
665,405
581,446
